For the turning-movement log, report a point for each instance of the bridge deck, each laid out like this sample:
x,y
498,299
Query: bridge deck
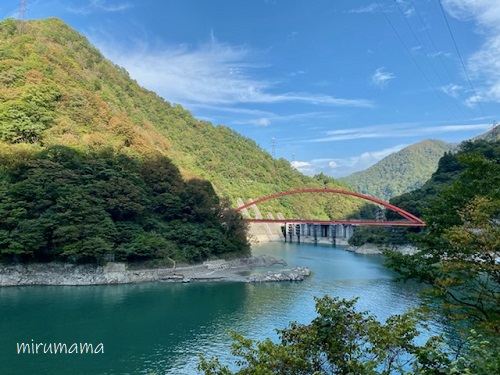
x,y
344,222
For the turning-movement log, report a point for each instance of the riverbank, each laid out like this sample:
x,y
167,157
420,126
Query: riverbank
x,y
237,270
372,249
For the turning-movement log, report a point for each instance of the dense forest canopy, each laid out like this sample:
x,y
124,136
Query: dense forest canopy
x,y
57,89
62,204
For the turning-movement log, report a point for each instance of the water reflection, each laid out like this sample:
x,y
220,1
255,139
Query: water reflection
x,y
162,326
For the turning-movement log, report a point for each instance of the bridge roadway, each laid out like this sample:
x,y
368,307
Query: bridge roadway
x,y
343,222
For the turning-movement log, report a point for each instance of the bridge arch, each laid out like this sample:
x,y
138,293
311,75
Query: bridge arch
x,y
412,218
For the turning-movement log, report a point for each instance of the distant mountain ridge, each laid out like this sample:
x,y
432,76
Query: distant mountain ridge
x,y
491,135
400,172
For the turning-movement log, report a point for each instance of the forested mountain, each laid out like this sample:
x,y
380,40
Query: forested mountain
x,y
452,169
57,89
473,169
401,171
92,164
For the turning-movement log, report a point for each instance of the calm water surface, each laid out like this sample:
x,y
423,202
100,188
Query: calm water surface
x,y
160,327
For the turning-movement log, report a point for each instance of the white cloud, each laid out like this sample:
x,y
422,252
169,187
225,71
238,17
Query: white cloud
x,y
381,78
409,12
484,64
371,8
452,90
303,167
102,6
300,164
237,110
211,74
396,131
416,49
257,118
263,121
342,167
439,54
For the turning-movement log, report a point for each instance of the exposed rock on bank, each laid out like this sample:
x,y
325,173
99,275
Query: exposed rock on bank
x,y
294,274
118,273
369,248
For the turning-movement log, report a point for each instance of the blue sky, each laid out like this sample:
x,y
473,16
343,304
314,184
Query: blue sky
x,y
331,86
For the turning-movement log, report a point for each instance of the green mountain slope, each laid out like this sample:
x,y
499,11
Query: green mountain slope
x,y
473,169
57,89
401,171
451,168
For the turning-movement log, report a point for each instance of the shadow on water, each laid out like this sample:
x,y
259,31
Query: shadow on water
x,y
136,323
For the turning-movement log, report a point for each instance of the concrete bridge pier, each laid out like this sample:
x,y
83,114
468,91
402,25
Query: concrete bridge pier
x,y
337,234
342,232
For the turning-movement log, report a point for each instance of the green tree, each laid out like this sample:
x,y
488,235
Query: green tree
x,y
24,119
148,245
60,204
340,340
459,248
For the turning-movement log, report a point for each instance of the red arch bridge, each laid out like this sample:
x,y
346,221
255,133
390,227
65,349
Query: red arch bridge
x,y
345,226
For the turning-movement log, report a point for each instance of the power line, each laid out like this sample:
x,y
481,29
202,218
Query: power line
x,y
432,42
436,51
425,51
460,56
414,60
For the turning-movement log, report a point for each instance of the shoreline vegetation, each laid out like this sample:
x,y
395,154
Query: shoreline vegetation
x,y
66,274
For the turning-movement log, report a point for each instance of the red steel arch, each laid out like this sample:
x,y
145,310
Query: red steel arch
x,y
412,218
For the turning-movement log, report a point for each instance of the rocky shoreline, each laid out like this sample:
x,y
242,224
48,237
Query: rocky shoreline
x,y
372,249
119,273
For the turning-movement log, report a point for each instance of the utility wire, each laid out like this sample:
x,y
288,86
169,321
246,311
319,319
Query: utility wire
x,y
414,60
460,56
436,51
425,53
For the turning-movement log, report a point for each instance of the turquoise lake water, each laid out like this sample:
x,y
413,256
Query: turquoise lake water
x,y
160,328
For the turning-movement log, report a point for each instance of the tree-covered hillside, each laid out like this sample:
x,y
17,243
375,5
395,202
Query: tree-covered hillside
x,y
61,204
401,171
454,168
460,246
57,89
